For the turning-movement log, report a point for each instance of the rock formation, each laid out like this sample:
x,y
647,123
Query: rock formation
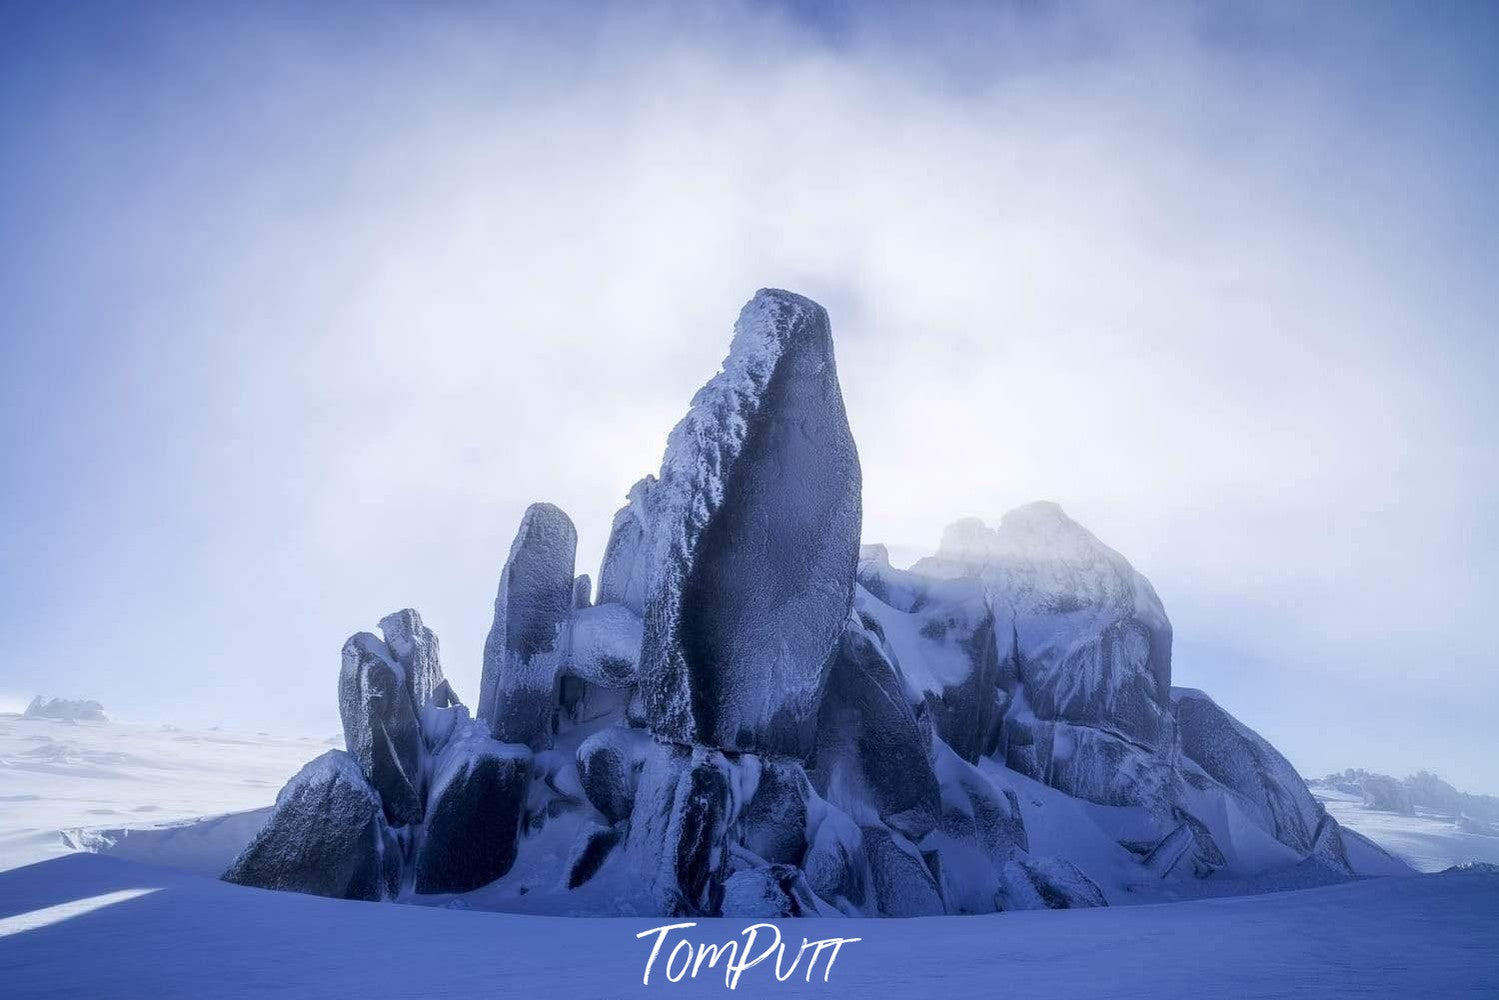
x,y
754,717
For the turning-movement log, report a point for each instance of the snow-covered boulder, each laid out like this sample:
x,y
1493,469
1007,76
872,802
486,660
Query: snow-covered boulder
x,y
526,648
1034,883
903,883
1240,759
605,646
380,725
769,893
1387,794
326,836
65,709
1092,643
774,822
474,814
871,754
757,517
414,646
582,591
609,763
941,634
684,806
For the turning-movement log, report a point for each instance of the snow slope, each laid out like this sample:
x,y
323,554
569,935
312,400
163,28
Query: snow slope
x,y
149,932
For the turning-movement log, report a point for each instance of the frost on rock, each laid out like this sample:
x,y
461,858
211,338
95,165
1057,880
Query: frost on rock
x,y
380,726
871,754
941,633
624,576
683,809
326,836
1091,763
582,591
609,765
474,815
902,881
775,819
1240,759
1092,643
526,648
1033,883
414,646
756,524
605,646
769,893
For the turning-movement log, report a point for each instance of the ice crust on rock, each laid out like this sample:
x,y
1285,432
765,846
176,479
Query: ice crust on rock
x,y
1092,643
1240,759
478,801
756,523
415,648
326,836
624,576
870,752
605,646
381,731
527,644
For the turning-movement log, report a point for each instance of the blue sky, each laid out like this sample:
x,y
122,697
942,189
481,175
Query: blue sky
x,y
299,308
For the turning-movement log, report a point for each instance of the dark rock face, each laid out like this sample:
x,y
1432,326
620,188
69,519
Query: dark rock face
x,y
870,750
768,893
609,764
775,820
757,534
591,851
414,647
624,577
1032,883
1091,764
477,804
326,836
527,645
903,884
1239,758
835,865
380,726
941,634
678,827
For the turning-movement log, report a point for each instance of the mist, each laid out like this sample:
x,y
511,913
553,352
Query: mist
x,y
299,311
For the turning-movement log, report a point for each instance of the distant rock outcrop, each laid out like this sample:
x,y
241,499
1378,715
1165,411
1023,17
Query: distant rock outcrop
x,y
65,710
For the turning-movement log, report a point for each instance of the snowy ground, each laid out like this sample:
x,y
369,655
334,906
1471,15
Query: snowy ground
x,y
58,777
154,931
150,932
1428,843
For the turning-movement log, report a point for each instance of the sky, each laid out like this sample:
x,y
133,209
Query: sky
x,y
301,305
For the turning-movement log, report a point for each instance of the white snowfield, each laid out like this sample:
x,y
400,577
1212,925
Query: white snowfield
x,y
1427,842
112,835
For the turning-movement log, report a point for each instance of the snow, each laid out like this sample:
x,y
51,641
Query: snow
x,y
74,710
1429,842
65,776
148,932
